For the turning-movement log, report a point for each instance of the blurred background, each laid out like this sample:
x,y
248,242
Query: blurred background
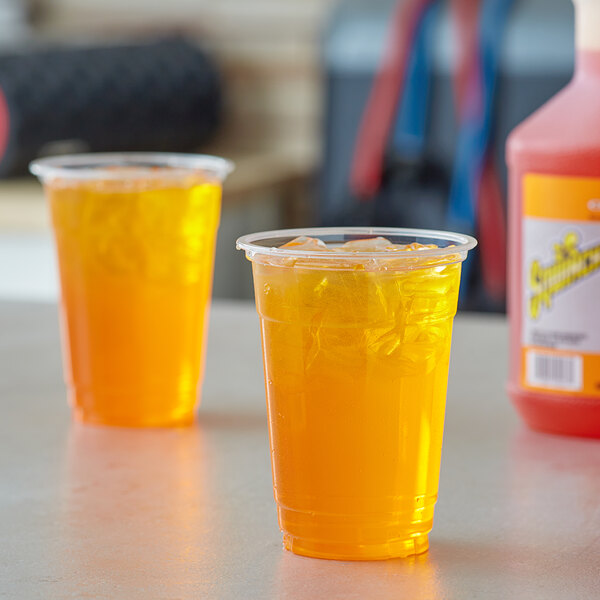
x,y
363,112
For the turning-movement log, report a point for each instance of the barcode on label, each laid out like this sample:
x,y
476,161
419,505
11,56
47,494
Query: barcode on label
x,y
559,371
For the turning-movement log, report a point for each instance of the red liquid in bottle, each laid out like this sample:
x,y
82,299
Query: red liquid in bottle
x,y
554,250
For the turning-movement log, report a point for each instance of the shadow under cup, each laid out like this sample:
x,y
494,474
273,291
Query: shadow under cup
x,y
356,348
135,236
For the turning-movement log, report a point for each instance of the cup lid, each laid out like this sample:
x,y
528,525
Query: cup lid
x,y
146,165
268,243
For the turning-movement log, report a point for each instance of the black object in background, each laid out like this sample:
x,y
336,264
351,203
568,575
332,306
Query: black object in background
x,y
163,95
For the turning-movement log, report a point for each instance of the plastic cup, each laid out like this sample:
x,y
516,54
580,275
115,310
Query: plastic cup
x,y
135,237
356,350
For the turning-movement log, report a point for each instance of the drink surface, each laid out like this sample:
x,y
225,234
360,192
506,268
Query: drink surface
x,y
136,259
356,365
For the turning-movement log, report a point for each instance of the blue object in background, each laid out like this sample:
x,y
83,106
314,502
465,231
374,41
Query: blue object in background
x,y
410,128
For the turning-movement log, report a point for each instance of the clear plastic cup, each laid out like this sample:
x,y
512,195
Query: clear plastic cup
x,y
135,236
356,348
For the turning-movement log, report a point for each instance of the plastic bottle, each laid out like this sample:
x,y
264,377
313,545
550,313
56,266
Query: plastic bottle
x,y
554,249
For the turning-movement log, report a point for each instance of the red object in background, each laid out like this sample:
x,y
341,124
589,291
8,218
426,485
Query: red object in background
x,y
560,140
4,124
491,225
465,16
376,124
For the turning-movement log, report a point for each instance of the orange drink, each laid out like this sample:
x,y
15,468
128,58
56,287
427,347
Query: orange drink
x,y
356,342
135,237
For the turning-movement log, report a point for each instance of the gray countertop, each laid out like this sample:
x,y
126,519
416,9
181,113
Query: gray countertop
x,y
90,512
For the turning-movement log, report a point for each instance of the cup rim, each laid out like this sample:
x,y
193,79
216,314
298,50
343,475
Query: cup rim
x,y
95,165
462,243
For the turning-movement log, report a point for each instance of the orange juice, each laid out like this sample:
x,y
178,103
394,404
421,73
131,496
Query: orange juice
x,y
136,260
356,366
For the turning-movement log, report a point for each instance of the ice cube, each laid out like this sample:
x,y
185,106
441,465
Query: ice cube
x,y
377,244
306,243
417,246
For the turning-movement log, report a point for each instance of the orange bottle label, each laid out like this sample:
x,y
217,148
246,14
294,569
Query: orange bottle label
x,y
561,285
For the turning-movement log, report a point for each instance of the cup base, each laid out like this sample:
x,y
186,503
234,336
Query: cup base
x,y
133,408
138,422
341,551
171,420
